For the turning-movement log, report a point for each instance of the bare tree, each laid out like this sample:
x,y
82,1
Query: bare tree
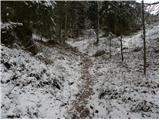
x,y
110,43
144,39
97,29
65,24
121,48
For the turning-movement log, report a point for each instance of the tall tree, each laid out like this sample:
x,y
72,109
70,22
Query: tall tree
x,y
110,36
144,38
116,18
65,24
121,48
97,29
35,16
60,18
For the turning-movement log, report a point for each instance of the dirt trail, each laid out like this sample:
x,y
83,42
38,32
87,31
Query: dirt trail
x,y
79,109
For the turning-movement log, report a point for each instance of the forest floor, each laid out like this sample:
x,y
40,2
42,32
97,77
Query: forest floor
x,y
75,82
121,90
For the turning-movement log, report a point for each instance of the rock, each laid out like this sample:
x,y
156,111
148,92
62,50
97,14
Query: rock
x,y
102,94
17,84
96,111
142,106
13,116
55,84
14,63
129,98
44,71
14,77
22,65
74,116
46,82
137,49
153,92
35,114
34,75
5,81
64,104
7,65
99,53
91,106
124,48
71,83
144,91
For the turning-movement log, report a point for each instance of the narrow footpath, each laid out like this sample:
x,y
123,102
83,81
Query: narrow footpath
x,y
79,109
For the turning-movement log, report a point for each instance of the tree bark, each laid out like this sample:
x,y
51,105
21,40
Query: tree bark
x,y
97,31
60,32
65,29
121,48
110,45
144,40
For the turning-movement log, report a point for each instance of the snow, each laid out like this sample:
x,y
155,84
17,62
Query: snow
x,y
10,25
46,85
121,90
28,89
152,8
46,3
39,38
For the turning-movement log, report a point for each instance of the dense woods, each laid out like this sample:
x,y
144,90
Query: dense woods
x,y
59,20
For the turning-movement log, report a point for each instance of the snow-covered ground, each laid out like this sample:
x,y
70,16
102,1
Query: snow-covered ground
x,y
47,85
38,87
121,90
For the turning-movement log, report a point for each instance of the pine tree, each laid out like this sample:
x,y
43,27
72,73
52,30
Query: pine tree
x,y
39,20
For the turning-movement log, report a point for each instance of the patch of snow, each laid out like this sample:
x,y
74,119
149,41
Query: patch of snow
x,y
39,38
10,25
152,8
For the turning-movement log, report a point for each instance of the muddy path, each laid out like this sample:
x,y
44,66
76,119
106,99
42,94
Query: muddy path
x,y
78,107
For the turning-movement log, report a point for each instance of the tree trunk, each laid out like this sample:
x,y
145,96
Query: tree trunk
x,y
97,31
110,45
144,40
60,32
65,29
41,34
121,48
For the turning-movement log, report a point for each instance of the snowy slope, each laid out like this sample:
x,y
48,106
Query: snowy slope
x,y
35,87
121,90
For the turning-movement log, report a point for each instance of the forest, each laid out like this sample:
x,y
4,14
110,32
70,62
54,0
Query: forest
x,y
79,59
